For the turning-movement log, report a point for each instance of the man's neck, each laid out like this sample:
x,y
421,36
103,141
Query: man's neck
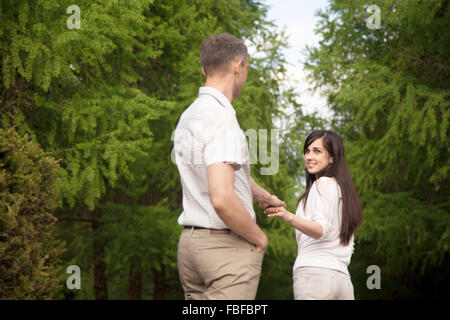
x,y
222,84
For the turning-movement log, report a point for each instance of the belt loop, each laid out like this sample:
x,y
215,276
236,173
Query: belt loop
x,y
192,231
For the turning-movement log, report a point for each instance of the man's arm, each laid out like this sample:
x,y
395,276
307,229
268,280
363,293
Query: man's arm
x,y
229,206
263,197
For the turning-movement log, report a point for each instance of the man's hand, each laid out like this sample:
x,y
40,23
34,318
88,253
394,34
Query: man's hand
x,y
229,206
273,201
279,212
263,246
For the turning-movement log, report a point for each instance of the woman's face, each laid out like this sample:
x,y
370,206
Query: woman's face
x,y
317,158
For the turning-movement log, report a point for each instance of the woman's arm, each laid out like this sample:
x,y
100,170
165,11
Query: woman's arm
x,y
310,228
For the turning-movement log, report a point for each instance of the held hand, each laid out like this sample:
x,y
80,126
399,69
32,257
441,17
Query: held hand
x,y
272,202
279,212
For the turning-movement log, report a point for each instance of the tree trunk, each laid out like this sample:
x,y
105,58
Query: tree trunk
x,y
100,287
135,282
158,281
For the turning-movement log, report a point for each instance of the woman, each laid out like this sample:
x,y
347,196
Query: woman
x,y
327,216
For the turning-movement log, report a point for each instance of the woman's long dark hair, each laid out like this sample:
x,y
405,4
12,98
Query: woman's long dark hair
x,y
351,207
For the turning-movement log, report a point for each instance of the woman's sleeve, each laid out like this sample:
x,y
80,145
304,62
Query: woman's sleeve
x,y
326,203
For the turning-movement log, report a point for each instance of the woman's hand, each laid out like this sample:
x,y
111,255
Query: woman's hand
x,y
279,212
310,228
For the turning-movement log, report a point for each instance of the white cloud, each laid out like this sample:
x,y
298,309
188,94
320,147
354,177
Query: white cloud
x,y
311,101
300,35
298,19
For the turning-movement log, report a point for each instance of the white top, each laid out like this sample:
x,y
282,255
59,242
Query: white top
x,y
324,205
208,132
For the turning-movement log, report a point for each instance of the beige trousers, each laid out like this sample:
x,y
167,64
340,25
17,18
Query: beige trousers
x,y
313,283
217,266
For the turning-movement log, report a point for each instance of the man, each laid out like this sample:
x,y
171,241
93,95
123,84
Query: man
x,y
221,248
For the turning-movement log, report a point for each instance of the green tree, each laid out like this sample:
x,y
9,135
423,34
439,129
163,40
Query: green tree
x,y
104,100
389,91
77,93
29,254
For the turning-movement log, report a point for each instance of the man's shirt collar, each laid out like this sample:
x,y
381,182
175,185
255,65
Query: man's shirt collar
x,y
218,96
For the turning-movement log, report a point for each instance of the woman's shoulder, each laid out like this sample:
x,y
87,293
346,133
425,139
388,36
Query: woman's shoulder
x,y
326,181
327,185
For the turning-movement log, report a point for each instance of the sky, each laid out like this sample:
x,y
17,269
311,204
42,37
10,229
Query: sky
x,y
298,18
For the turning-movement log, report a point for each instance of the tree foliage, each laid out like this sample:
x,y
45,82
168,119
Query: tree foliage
x,y
87,117
389,91
29,254
104,100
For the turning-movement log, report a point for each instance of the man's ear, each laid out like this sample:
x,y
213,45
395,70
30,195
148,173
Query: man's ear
x,y
203,72
237,65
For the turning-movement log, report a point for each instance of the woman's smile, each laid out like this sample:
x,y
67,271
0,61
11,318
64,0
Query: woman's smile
x,y
317,158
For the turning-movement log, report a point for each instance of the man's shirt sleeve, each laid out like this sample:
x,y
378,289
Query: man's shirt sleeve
x,y
224,141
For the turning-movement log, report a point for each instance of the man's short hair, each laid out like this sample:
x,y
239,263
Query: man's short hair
x,y
219,51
